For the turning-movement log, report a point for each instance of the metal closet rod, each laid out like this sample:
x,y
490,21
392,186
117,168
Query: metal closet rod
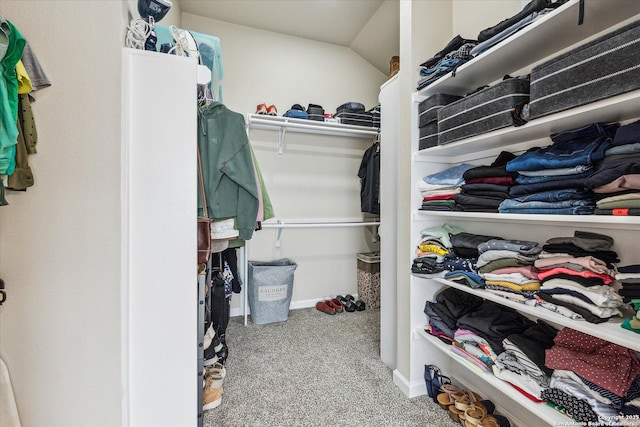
x,y
319,223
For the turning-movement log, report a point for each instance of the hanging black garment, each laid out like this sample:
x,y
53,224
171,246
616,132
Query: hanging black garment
x,y
230,257
219,305
369,174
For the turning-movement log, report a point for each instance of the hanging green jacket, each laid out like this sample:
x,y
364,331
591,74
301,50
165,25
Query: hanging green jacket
x,y
227,167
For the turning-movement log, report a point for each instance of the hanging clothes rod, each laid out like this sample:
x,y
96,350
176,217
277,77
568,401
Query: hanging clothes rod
x,y
316,223
319,224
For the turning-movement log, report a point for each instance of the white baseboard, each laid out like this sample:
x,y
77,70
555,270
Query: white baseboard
x,y
293,306
410,389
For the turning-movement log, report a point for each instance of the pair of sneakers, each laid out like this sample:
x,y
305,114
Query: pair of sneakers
x,y
271,110
212,391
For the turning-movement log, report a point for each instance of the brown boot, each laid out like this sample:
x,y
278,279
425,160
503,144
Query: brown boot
x,y
211,397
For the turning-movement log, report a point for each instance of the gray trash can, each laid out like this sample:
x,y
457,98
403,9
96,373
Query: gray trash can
x,y
270,285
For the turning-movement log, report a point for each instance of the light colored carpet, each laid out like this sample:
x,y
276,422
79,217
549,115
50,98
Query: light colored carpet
x,y
315,370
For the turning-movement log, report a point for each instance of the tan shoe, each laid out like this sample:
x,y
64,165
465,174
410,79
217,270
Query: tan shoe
x,y
211,397
216,372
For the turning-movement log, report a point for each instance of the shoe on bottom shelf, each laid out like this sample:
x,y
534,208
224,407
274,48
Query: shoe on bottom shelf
x,y
216,372
211,396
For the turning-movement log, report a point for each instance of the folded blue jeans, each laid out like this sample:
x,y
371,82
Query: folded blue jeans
x,y
583,146
450,176
556,195
579,210
524,189
514,204
521,179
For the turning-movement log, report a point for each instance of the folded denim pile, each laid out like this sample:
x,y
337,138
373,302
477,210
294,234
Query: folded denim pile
x,y
592,169
459,50
454,54
531,12
615,180
552,179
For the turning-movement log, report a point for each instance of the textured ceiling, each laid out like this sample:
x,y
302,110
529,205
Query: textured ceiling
x,y
369,27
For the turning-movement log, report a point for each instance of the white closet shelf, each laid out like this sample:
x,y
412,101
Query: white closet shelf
x,y
609,331
283,124
619,108
597,221
543,411
545,37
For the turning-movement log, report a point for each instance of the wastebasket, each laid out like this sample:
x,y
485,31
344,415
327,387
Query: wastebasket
x,y
270,285
369,279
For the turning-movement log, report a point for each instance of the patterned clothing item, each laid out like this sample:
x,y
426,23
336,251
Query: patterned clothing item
x,y
608,365
579,409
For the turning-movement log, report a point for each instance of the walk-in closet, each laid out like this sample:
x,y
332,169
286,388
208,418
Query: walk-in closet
x,y
397,163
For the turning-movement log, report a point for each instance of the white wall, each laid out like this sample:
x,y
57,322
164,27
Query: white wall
x,y
317,175
263,66
59,241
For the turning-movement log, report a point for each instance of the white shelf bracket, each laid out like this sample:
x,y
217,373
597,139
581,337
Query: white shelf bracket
x,y
281,132
278,234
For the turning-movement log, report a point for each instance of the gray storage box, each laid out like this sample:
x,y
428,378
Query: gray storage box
x,y
270,286
481,112
428,109
603,68
369,279
364,118
428,135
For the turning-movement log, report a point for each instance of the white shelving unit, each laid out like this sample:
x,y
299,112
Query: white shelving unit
x,y
283,125
554,33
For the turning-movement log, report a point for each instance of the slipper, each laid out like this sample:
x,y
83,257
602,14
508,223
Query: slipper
x,y
473,415
349,306
360,305
336,304
325,308
345,298
448,397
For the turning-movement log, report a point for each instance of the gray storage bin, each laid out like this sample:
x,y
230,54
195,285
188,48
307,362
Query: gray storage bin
x,y
481,112
428,109
270,286
428,135
605,67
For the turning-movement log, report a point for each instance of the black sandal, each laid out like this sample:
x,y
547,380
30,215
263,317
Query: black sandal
x,y
349,306
360,305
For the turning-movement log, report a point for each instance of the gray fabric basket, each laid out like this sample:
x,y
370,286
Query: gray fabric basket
x,y
482,112
428,135
364,118
428,109
605,67
270,286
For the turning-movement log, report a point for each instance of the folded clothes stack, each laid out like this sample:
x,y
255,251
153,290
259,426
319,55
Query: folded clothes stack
x,y
616,179
552,179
